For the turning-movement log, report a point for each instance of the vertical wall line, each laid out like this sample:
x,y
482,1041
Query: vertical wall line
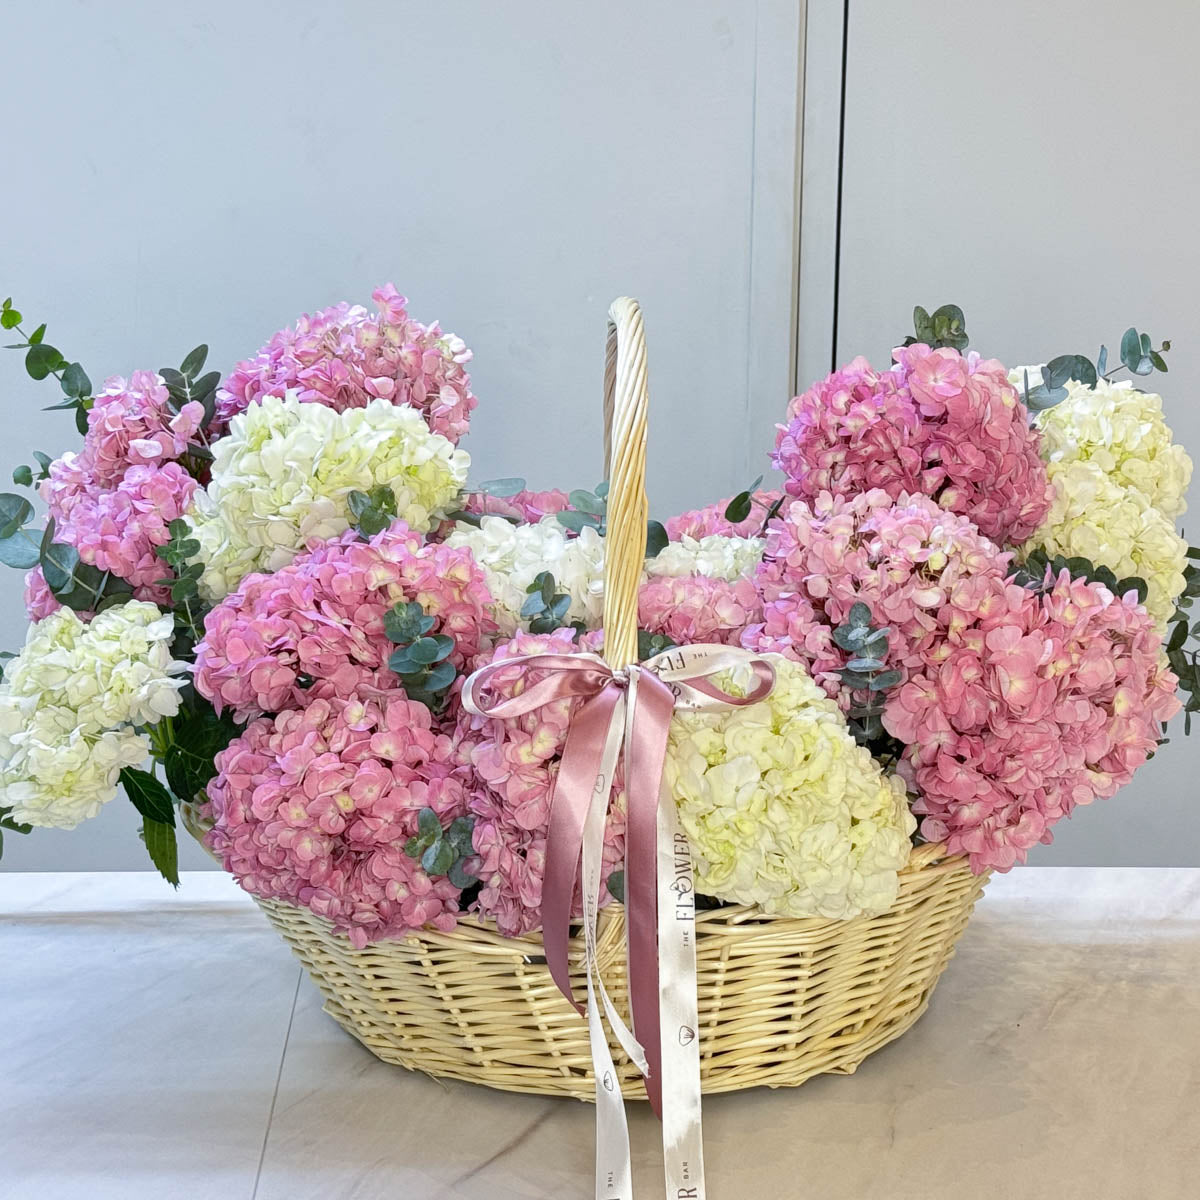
x,y
841,165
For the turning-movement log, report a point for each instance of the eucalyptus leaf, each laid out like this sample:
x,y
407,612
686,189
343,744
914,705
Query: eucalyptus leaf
x,y
738,509
41,360
656,539
501,488
586,502
1131,348
194,361
576,522
14,512
23,550
459,876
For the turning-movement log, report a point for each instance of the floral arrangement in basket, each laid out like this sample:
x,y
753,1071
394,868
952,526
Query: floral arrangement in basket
x,y
272,586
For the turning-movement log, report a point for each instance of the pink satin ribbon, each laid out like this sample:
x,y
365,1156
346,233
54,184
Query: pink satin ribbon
x,y
681,678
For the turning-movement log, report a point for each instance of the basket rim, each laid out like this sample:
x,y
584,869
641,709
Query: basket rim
x,y
927,860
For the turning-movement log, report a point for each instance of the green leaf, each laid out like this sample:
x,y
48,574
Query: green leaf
x,y
424,651
401,662
460,833
459,876
194,361
148,795
502,488
1102,361
41,360
1066,367
576,522
201,733
586,502
859,614
886,680
1131,348
36,336
864,665
23,476
428,825
10,318
75,381
162,848
559,608
438,858
656,538
533,606
616,886
23,550
1160,363
58,561
441,676
1179,635
14,511
738,509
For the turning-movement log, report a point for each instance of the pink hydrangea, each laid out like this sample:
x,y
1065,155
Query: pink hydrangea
x,y
315,806
924,573
938,423
116,527
134,425
1044,702
697,608
515,763
526,506
316,627
345,356
700,522
40,601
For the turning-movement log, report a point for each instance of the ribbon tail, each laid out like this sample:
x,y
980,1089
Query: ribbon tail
x,y
645,754
579,773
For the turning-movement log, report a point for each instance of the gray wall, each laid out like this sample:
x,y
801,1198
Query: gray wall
x,y
1038,164
185,173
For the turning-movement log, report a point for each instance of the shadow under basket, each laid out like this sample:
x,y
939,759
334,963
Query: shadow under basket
x,y
781,999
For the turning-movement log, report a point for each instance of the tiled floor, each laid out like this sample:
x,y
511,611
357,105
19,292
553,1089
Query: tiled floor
x,y
166,1046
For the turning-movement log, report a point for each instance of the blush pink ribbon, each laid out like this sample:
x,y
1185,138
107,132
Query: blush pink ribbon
x,y
627,712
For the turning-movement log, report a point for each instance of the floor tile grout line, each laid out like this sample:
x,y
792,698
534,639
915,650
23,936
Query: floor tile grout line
x,y
287,1037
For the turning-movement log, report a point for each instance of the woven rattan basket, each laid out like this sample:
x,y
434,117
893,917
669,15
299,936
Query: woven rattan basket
x,y
780,999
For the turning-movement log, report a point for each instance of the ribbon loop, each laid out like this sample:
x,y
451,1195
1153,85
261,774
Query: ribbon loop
x,y
627,712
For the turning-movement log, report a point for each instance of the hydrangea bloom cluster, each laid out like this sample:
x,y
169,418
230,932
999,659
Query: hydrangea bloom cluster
x,y
939,424
515,763
68,705
512,556
1044,703
716,556
114,500
344,357
529,507
784,809
315,806
314,630
1123,432
924,573
701,522
282,477
700,589
1095,518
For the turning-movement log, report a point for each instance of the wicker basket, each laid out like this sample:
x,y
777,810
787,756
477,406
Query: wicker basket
x,y
780,999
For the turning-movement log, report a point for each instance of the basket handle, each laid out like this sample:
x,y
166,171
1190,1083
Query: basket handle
x,y
625,414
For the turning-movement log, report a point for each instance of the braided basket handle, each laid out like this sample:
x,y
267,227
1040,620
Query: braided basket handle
x,y
625,414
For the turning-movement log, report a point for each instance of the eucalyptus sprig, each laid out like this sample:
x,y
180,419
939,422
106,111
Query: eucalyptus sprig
x,y
421,658
946,326
545,607
741,506
1138,357
43,360
650,644
372,511
443,851
866,673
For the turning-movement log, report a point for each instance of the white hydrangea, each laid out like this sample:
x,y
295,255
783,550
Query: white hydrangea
x,y
512,556
784,809
282,475
1123,431
715,556
1096,518
68,706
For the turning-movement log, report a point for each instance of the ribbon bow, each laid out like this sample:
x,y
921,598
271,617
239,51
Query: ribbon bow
x,y
627,710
